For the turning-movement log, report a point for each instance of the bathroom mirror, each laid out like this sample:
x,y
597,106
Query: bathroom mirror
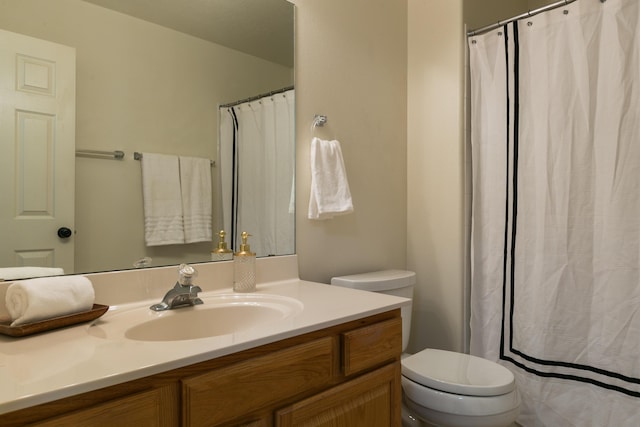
x,y
150,75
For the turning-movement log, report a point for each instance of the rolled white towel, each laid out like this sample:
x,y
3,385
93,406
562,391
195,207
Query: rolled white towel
x,y
45,298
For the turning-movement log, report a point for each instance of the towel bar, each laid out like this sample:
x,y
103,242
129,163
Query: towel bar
x,y
117,154
138,156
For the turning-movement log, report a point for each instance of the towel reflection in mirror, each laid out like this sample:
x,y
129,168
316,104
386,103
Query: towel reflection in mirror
x,y
177,199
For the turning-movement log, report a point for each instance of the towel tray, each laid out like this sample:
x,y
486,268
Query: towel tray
x,y
53,323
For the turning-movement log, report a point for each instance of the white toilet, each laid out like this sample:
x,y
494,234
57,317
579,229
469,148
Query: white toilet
x,y
443,388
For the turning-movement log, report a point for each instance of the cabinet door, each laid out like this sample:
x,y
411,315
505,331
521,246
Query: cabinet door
x,y
158,407
372,400
234,392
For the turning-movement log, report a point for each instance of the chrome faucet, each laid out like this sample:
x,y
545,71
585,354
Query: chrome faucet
x,y
183,294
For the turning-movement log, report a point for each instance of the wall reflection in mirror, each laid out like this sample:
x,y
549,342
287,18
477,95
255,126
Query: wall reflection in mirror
x,y
147,76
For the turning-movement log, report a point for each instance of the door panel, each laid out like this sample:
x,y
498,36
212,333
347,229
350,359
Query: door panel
x,y
37,151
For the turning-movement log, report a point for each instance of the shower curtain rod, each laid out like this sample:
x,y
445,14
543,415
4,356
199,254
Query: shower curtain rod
x,y
253,98
524,15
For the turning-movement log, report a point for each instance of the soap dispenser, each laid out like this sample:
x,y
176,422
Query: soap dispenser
x,y
221,253
244,267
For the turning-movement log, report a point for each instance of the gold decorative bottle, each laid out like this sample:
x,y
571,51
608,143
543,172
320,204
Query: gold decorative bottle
x,y
244,267
221,253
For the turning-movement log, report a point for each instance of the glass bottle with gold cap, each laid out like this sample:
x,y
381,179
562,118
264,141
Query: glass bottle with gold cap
x,y
244,267
221,253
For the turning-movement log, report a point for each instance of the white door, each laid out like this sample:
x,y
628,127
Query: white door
x,y
37,152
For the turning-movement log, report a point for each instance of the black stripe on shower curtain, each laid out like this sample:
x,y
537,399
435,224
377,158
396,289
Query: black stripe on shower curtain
x,y
534,364
235,167
506,190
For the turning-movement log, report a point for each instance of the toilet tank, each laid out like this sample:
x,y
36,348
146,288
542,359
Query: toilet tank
x,y
392,282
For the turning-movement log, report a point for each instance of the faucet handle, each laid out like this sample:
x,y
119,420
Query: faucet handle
x,y
185,274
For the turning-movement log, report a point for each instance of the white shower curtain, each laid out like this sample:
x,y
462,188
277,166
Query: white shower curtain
x,y
257,166
555,135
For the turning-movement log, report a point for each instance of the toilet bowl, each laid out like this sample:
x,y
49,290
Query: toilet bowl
x,y
459,390
443,388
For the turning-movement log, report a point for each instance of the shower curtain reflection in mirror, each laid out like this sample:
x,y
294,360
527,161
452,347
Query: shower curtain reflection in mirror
x,y
257,152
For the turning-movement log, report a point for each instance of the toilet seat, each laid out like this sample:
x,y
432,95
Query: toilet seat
x,y
458,373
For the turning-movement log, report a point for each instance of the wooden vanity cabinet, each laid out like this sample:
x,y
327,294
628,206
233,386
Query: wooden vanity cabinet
x,y
347,375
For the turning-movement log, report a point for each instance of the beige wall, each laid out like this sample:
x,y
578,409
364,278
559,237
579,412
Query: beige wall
x,y
535,4
140,87
351,66
479,13
354,60
435,171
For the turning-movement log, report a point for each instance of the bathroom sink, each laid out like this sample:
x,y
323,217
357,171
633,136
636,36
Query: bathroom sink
x,y
219,315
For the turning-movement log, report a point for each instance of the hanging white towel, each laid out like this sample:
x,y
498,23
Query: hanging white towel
x,y
13,273
162,200
32,300
195,182
330,194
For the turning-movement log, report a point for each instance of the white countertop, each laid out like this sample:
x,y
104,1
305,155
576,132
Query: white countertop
x,y
65,362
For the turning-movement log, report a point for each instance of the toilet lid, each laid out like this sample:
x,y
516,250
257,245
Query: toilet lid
x,y
458,373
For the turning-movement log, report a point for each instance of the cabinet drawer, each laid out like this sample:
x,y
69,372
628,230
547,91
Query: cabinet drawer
x,y
152,408
235,391
372,345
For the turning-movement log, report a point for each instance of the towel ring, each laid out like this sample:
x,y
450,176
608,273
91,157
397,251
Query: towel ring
x,y
318,121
